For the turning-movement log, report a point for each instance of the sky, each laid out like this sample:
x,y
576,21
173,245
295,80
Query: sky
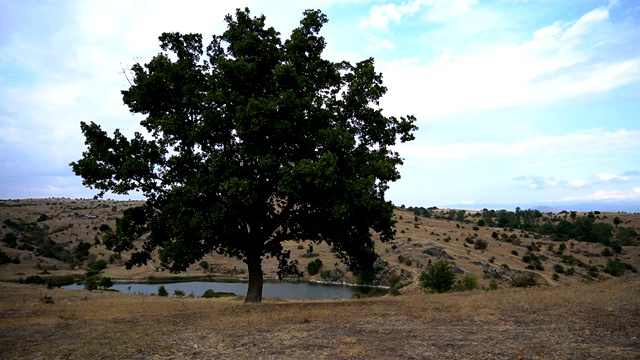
x,y
519,102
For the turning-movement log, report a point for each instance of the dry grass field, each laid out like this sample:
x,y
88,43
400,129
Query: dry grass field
x,y
584,313
595,321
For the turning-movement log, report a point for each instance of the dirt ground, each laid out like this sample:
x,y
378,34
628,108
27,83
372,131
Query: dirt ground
x,y
589,321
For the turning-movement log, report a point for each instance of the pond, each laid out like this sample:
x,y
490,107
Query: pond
x,y
282,290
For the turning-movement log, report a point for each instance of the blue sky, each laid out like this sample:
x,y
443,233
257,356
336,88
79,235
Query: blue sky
x,y
519,103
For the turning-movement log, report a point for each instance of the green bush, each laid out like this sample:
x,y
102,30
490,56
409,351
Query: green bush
x,y
617,267
493,285
525,280
209,293
162,291
325,274
480,244
558,268
439,277
470,282
178,293
314,267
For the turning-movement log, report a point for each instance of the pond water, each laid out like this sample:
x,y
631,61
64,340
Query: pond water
x,y
283,290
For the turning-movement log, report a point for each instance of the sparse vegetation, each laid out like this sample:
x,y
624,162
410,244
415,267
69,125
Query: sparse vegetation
x,y
439,277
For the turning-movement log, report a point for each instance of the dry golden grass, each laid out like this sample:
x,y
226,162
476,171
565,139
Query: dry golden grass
x,y
582,321
429,233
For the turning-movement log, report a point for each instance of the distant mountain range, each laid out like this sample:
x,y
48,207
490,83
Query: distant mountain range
x,y
608,206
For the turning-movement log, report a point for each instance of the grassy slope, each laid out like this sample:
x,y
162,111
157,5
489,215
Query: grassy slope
x,y
405,255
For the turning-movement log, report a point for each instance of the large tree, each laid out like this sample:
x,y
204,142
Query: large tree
x,y
258,143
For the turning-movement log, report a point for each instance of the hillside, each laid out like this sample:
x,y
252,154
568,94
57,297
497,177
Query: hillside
x,y
62,236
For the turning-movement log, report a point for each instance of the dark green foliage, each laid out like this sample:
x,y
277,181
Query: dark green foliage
x,y
555,276
95,266
439,276
178,293
469,282
209,293
162,291
593,271
314,266
627,236
493,285
10,239
105,283
525,280
204,265
480,244
514,252
617,267
494,235
253,141
104,228
4,258
43,217
558,268
606,252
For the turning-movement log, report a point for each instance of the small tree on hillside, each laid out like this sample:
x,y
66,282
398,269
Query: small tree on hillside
x,y
261,142
439,277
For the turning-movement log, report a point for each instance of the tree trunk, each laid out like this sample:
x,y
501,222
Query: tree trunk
x,y
254,292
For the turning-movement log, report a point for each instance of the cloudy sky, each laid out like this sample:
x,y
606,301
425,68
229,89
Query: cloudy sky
x,y
519,102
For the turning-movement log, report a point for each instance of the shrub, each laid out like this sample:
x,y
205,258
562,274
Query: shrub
x,y
555,277
617,267
204,265
514,252
325,274
593,271
606,252
439,277
314,267
105,283
480,244
91,283
558,268
493,285
494,235
524,280
162,291
470,282
178,293
104,228
209,293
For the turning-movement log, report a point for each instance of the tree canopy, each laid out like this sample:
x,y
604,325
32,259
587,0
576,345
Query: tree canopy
x,y
251,142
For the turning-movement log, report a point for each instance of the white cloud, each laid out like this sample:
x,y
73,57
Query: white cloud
x,y
586,23
577,183
377,43
606,195
381,15
541,147
611,177
558,62
439,10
